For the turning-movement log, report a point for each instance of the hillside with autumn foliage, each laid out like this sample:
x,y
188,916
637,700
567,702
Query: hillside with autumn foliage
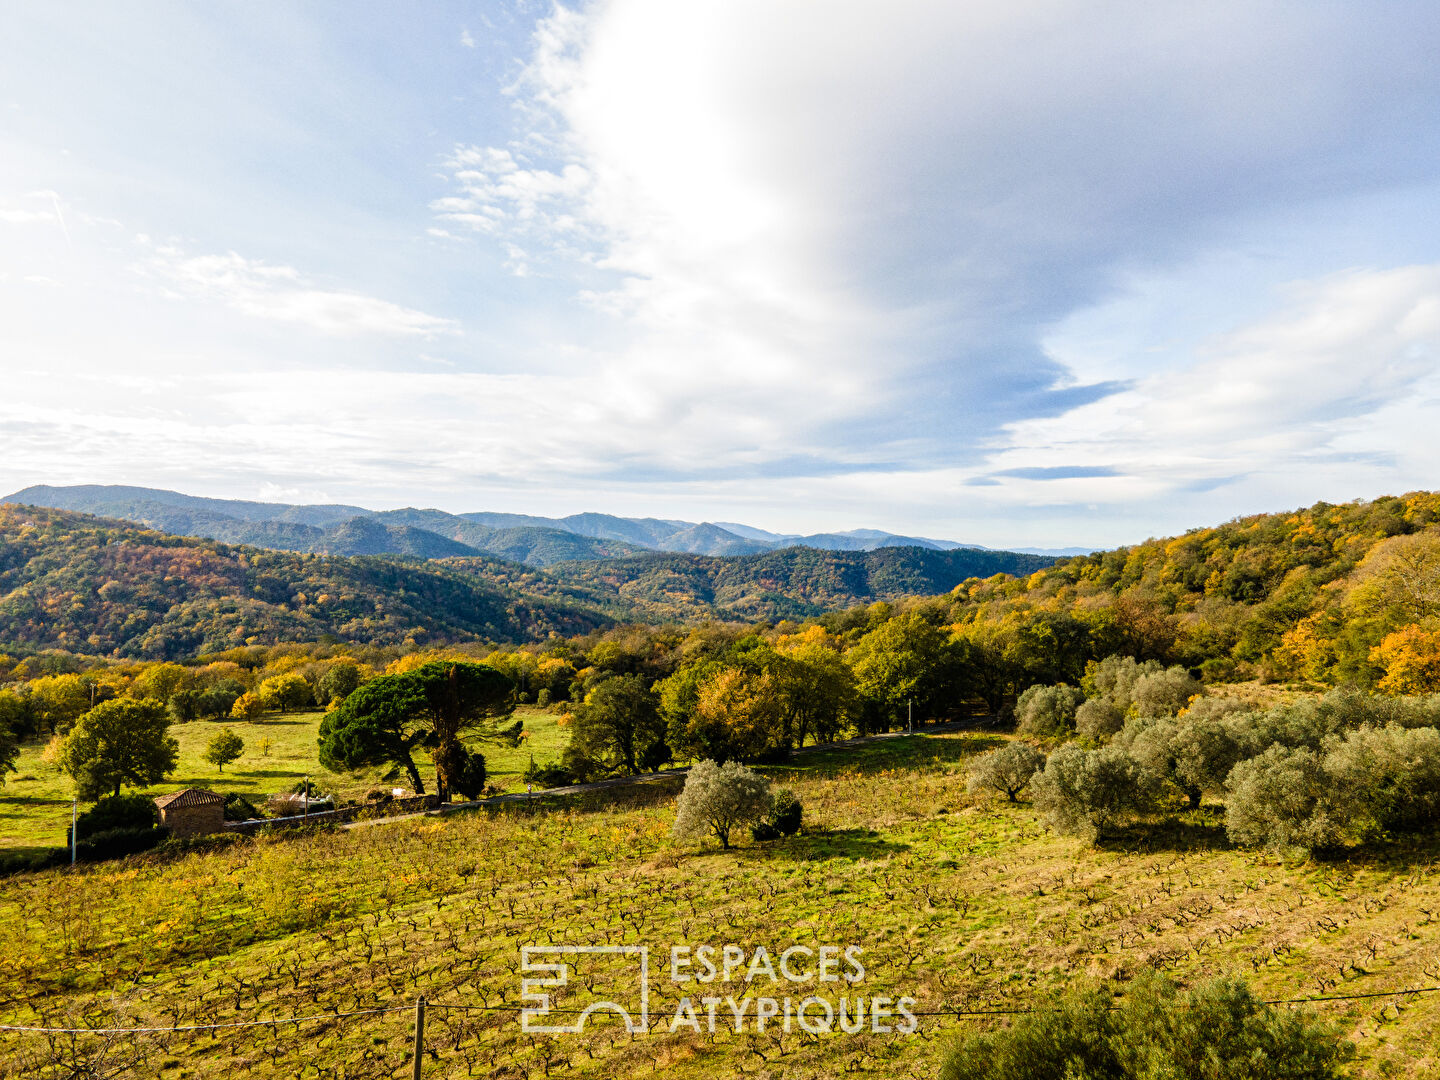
x,y
90,585
1332,594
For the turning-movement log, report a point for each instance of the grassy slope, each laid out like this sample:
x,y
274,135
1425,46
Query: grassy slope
x,y
970,904
35,801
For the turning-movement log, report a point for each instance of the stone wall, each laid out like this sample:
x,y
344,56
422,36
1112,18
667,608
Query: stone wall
x,y
410,805
194,820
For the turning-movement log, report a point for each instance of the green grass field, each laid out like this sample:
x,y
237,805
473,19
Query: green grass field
x,y
35,800
956,902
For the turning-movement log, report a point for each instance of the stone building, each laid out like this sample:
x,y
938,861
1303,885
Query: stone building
x,y
192,812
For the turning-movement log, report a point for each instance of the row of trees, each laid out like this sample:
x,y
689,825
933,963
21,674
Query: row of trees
x,y
1136,738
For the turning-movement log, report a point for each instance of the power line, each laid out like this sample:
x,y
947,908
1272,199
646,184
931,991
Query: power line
x,y
456,1007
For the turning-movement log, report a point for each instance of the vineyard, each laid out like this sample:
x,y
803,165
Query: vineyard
x,y
961,904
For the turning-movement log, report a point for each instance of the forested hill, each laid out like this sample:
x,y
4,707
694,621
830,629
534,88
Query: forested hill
x,y
789,583
1331,593
95,585
92,585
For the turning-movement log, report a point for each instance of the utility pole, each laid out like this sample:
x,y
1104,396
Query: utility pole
x,y
74,817
419,1038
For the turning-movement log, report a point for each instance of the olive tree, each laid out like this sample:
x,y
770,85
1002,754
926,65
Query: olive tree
x,y
1281,800
1047,712
1098,719
1115,678
1165,693
1194,754
717,799
1216,1028
1386,779
1087,793
1006,770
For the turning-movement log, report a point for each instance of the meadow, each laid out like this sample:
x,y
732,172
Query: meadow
x,y
960,903
35,800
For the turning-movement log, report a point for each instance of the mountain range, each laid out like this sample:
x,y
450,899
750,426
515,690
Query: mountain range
x,y
336,529
109,587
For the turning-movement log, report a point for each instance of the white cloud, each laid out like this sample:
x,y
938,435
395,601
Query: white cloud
x,y
282,294
817,260
1313,387
900,201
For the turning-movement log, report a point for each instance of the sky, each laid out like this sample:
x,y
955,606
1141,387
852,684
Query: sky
x,y
1042,274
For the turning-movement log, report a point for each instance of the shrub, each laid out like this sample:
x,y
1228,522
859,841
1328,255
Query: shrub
x,y
719,798
117,843
1047,712
1088,792
119,812
1281,799
239,808
24,862
1218,1028
551,776
1006,770
464,769
543,698
784,818
787,813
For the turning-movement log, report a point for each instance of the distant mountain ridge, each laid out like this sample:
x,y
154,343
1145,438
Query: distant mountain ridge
x,y
109,587
338,529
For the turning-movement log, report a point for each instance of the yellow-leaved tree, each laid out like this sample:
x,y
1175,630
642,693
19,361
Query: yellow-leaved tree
x,y
1411,659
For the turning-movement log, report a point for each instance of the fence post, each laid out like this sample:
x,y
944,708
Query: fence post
x,y
419,1037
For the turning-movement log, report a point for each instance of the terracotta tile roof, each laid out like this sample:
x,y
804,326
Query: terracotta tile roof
x,y
189,797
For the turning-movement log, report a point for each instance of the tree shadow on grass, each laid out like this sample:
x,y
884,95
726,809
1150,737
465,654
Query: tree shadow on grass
x,y
850,844
273,774
1397,854
907,751
1167,834
34,800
